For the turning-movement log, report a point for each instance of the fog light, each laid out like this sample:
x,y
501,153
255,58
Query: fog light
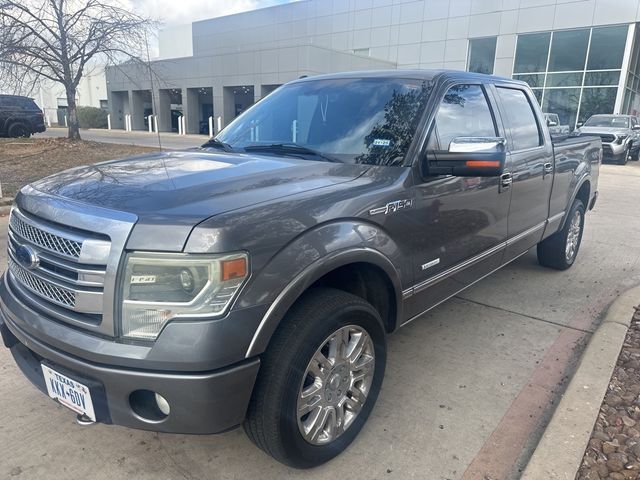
x,y
163,405
149,406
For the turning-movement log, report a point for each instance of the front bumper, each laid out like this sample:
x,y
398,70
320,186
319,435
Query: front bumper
x,y
613,151
201,403
208,392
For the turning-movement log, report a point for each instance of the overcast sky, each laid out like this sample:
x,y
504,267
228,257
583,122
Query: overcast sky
x,y
175,12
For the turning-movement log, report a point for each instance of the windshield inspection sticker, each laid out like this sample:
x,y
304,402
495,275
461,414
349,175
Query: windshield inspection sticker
x,y
381,142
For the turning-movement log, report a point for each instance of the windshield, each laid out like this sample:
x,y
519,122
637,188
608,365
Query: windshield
x,y
607,121
360,120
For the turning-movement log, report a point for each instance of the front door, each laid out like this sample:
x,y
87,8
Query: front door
x,y
459,223
530,163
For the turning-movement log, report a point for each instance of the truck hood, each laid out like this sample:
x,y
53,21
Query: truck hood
x,y
181,189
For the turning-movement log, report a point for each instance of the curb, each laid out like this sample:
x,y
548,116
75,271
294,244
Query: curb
x,y
559,453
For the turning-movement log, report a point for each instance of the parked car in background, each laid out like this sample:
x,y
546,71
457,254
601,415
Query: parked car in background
x,y
553,122
620,136
254,281
20,116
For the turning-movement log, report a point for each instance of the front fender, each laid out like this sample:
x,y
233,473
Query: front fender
x,y
309,257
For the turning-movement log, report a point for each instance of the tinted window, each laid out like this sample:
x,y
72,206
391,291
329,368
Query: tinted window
x,y
464,112
568,50
607,47
355,120
482,55
522,121
532,53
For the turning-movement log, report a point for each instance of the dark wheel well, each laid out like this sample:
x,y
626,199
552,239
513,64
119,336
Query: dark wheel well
x,y
583,194
368,282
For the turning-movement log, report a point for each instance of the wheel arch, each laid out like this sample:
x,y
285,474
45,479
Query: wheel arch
x,y
328,271
582,191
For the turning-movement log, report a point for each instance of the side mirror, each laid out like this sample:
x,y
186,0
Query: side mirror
x,y
579,124
636,127
551,123
468,157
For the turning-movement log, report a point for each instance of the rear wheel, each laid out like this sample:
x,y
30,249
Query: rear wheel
x,y
19,130
560,250
319,379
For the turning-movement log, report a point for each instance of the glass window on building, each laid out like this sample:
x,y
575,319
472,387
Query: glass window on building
x,y
563,102
532,53
597,101
607,48
574,73
482,55
568,50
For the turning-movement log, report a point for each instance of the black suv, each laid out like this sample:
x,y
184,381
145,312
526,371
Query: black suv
x,y
20,116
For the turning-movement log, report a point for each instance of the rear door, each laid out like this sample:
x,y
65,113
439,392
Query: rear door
x,y
530,164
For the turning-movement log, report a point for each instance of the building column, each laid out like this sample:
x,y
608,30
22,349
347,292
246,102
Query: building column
x,y
218,107
191,109
137,110
164,110
228,111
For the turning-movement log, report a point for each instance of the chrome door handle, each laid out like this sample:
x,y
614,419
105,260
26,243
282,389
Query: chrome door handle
x,y
506,179
548,168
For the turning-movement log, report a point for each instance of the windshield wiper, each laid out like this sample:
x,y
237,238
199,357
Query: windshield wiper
x,y
215,143
290,149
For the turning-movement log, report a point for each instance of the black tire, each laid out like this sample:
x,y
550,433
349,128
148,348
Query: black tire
x,y
635,152
272,420
625,156
552,252
19,130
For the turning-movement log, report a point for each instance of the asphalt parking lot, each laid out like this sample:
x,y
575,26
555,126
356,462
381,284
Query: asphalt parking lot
x,y
467,392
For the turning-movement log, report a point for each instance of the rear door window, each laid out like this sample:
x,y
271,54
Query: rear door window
x,y
525,132
463,112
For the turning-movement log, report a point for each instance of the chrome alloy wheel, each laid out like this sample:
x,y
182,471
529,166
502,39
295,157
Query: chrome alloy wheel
x,y
573,236
335,385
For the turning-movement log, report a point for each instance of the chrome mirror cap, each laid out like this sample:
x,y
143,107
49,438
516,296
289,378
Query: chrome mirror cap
x,y
476,144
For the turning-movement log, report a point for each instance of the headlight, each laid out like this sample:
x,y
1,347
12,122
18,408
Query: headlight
x,y
621,138
158,287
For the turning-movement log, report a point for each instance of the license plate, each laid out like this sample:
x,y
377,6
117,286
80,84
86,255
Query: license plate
x,y
68,392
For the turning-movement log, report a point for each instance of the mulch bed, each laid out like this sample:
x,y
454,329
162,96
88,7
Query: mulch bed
x,y
614,448
24,160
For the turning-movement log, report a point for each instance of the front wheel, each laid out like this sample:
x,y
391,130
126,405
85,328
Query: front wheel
x,y
560,250
319,379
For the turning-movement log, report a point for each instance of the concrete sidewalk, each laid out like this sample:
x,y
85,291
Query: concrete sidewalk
x,y
141,138
468,390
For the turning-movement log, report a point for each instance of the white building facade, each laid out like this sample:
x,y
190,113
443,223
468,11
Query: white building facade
x,y
52,99
579,56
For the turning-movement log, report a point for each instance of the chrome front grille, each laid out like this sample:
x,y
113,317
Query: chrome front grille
x,y
70,271
607,138
53,293
44,239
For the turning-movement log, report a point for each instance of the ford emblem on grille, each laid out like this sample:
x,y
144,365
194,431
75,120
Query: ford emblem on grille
x,y
27,257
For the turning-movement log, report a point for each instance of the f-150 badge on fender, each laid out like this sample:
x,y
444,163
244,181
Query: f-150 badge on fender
x,y
391,207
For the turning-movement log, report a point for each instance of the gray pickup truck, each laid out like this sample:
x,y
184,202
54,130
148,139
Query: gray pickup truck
x,y
254,280
620,135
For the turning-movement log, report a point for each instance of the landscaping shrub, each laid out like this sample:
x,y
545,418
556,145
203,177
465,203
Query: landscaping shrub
x,y
92,117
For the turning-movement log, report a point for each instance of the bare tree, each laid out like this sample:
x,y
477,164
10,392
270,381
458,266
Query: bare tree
x,y
60,40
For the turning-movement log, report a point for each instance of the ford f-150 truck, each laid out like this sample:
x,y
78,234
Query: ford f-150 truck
x,y
255,280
